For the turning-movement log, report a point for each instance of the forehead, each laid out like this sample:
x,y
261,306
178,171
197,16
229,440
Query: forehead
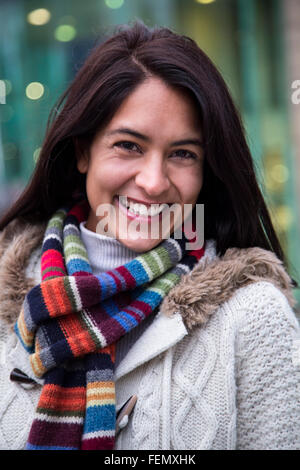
x,y
157,105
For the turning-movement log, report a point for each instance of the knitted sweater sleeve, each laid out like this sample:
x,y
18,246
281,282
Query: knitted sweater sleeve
x,y
267,371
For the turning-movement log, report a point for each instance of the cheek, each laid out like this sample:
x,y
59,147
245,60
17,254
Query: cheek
x,y
105,177
190,187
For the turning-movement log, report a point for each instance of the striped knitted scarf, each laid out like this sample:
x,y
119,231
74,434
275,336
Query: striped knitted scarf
x,y
70,322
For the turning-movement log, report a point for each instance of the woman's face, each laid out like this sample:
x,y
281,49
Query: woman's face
x,y
139,156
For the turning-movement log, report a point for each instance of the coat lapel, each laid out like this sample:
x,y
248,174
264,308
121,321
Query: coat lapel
x,y
163,333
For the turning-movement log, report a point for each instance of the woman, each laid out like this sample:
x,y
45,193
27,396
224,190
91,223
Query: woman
x,y
123,340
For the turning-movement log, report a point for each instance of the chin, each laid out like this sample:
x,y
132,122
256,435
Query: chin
x,y
141,245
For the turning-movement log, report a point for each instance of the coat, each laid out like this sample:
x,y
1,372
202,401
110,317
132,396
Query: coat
x,y
218,368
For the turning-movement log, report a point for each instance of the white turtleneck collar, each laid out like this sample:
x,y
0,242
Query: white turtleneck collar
x,y
104,253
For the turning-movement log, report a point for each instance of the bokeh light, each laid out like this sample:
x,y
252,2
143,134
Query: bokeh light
x,y
65,33
280,173
114,4
39,17
205,2
34,90
284,217
36,154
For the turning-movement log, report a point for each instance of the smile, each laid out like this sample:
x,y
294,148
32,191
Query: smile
x,y
137,210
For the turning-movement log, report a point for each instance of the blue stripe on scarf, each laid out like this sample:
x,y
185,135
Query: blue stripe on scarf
x,y
137,271
28,349
151,298
32,447
108,286
100,418
113,311
76,265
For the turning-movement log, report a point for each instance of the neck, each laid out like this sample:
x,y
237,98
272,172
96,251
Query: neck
x,y
104,253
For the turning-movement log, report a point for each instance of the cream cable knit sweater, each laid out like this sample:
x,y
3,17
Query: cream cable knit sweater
x,y
231,383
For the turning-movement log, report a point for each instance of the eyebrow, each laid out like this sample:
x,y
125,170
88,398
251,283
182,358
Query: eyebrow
x,y
125,130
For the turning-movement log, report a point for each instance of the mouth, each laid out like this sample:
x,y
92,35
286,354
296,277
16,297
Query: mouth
x,y
136,210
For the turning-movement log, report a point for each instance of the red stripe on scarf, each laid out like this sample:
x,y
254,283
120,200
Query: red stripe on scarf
x,y
127,276
55,297
197,253
55,434
80,211
98,443
52,259
61,398
78,338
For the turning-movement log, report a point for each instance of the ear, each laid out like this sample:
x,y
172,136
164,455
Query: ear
x,y
83,163
81,157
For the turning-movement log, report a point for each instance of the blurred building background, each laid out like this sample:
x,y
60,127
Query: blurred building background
x,y
254,43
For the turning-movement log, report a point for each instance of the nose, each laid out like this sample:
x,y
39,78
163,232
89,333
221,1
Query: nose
x,y
152,176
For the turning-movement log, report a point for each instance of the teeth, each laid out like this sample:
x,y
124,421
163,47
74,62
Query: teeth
x,y
141,209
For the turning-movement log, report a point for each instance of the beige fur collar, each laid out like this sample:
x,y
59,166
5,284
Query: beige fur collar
x,y
202,291
17,241
196,297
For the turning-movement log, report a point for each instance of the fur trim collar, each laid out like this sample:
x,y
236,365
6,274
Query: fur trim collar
x,y
198,294
202,291
17,241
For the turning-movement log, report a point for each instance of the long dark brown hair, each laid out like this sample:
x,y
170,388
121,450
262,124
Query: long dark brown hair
x,y
235,211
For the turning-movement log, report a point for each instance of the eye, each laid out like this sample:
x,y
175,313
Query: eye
x,y
126,145
185,154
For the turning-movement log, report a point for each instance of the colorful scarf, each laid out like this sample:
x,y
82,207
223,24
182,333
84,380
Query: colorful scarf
x,y
70,322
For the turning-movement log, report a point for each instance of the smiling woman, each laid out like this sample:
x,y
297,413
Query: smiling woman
x,y
142,342
160,164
